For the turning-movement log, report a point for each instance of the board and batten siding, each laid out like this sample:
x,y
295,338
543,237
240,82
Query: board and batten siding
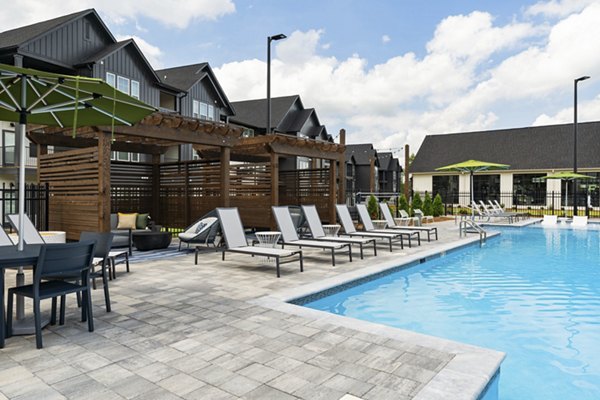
x,y
68,45
126,63
202,91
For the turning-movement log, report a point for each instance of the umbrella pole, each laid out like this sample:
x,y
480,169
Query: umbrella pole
x,y
472,199
22,129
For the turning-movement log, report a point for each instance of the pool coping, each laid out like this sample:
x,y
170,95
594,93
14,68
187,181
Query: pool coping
x,y
465,376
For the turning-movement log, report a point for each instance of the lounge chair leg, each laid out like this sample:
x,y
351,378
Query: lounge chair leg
x,y
301,263
127,262
38,322
277,265
419,238
350,251
361,251
390,239
9,313
374,247
332,257
223,256
53,312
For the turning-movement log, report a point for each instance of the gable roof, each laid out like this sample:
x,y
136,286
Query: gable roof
x,y
254,112
384,160
19,36
530,148
362,153
186,76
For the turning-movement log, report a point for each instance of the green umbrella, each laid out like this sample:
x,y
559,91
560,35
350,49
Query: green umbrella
x,y
472,166
567,176
32,96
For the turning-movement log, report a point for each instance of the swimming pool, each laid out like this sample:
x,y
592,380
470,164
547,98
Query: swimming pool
x,y
532,293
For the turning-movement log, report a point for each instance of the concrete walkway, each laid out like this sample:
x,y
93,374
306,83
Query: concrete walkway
x,y
219,330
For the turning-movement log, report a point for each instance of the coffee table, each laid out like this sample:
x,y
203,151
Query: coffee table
x,y
149,240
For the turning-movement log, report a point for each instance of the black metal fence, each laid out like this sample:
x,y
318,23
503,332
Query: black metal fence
x,y
36,204
534,203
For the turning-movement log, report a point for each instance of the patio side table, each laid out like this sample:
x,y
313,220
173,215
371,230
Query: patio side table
x,y
268,239
379,223
331,230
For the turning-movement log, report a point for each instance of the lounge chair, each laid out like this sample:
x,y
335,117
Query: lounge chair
x,y
369,227
290,237
391,223
31,235
550,220
501,209
494,213
235,239
4,238
579,221
350,230
317,232
404,217
204,231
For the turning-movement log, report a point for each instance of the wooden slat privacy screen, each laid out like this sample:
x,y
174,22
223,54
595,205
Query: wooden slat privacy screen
x,y
307,186
250,191
72,177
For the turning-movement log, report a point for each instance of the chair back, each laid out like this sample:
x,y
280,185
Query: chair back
x,y
363,213
232,227
285,223
345,218
64,259
579,220
550,220
31,235
314,222
498,206
387,214
4,238
103,242
403,213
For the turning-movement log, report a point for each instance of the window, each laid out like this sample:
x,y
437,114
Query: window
x,y
123,84
87,31
486,187
135,89
122,156
195,109
211,113
135,157
167,101
111,79
529,189
203,110
447,187
303,163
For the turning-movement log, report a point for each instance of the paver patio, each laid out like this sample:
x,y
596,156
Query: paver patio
x,y
179,330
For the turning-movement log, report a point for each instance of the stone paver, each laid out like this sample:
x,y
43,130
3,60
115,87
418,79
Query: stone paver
x,y
185,331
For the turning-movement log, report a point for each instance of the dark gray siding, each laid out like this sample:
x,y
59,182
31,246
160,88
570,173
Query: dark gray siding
x,y
125,62
363,176
67,44
202,91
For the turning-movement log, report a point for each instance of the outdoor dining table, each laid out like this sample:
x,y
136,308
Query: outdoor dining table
x,y
10,257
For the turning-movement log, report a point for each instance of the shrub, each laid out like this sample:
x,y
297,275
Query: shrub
x,y
403,204
417,202
373,207
438,206
427,205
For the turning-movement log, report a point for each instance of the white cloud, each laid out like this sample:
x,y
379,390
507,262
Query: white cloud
x,y
152,53
586,111
173,13
561,8
385,39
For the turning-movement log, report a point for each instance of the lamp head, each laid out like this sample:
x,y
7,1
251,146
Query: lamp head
x,y
583,78
277,37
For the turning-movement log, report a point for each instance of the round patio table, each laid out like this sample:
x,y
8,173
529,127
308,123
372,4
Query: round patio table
x,y
331,230
268,239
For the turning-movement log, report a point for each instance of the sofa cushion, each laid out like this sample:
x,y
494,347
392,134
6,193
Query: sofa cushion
x,y
114,221
127,221
142,221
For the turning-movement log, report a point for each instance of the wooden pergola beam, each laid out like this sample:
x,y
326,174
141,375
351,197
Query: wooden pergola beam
x,y
83,142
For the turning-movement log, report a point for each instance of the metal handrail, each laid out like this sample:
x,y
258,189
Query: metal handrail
x,y
464,226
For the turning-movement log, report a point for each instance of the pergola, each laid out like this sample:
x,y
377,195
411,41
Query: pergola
x,y
84,188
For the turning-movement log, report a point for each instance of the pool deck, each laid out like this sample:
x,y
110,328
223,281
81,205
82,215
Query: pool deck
x,y
223,330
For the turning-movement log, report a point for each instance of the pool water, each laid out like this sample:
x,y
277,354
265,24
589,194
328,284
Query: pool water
x,y
532,293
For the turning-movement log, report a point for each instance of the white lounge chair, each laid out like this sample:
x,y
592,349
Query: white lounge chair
x,y
317,232
31,235
350,229
404,217
550,220
290,237
363,213
235,239
421,216
391,223
579,221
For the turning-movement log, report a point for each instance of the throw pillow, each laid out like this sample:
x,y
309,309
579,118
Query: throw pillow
x,y
142,221
127,221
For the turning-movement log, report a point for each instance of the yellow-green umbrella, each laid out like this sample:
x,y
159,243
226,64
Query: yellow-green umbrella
x,y
32,96
567,176
472,166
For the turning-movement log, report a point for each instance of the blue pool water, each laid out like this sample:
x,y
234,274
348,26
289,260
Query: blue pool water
x,y
532,293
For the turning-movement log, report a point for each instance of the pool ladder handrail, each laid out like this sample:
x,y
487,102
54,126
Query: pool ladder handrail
x,y
464,226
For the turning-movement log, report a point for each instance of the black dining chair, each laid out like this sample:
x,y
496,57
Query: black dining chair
x,y
55,262
101,259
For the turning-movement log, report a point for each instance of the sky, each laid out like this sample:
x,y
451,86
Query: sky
x,y
389,72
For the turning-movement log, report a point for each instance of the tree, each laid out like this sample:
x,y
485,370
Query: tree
x,y
373,207
427,205
403,204
417,203
438,206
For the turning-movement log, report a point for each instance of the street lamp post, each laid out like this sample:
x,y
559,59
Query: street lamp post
x,y
269,40
576,81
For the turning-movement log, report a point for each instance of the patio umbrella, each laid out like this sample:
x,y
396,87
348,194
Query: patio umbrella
x,y
567,176
472,166
43,98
